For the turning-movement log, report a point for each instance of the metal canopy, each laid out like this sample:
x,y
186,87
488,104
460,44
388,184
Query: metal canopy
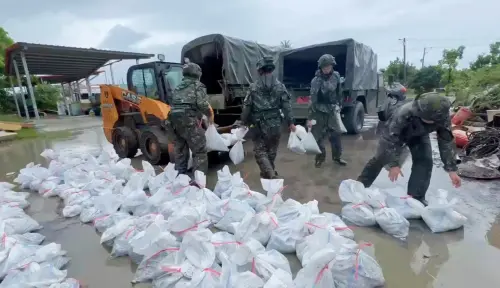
x,y
69,63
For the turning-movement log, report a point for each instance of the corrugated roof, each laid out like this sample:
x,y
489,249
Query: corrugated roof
x,y
68,63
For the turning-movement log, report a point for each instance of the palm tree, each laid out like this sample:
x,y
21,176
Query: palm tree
x,y
286,44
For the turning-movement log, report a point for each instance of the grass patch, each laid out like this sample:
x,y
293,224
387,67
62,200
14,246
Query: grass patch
x,y
32,133
11,118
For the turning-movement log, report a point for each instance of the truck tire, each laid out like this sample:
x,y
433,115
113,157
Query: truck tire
x,y
154,146
354,118
125,142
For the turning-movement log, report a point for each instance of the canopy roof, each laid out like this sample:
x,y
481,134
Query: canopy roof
x,y
67,63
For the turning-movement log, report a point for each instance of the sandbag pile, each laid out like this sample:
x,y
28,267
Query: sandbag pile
x,y
222,142
24,261
368,207
164,224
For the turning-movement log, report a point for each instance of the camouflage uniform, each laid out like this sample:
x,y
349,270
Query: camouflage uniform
x,y
407,128
326,97
189,104
261,108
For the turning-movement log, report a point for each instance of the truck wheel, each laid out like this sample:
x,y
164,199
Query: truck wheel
x,y
354,118
154,146
125,142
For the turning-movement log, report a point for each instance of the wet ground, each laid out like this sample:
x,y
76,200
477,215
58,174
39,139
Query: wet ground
x,y
463,258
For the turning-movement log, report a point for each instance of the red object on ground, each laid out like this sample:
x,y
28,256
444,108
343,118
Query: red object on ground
x,y
462,115
461,138
303,100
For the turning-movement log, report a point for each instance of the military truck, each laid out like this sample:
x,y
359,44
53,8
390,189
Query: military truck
x,y
229,67
357,65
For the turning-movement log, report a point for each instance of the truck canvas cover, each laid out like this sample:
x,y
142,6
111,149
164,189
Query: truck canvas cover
x,y
355,61
238,58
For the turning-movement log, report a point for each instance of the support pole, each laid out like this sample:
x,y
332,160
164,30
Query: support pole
x,y
14,95
112,75
30,87
20,84
78,91
89,88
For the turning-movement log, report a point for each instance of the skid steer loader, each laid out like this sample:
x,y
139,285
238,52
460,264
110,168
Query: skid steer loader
x,y
133,118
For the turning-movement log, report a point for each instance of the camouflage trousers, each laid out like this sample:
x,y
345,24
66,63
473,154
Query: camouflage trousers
x,y
421,169
326,127
265,147
189,135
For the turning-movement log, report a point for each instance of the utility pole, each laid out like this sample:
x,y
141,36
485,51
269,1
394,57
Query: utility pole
x,y
423,56
404,59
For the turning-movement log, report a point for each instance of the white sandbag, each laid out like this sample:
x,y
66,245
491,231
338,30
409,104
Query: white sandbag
x,y
351,191
353,267
257,226
164,179
392,222
310,145
280,279
207,196
318,273
228,214
359,214
237,153
300,131
321,239
198,248
374,197
187,219
295,145
224,182
253,256
72,211
338,117
214,140
273,199
225,244
35,275
327,220
440,214
406,206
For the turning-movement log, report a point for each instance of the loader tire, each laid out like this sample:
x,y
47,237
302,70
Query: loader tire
x,y
354,118
154,146
125,142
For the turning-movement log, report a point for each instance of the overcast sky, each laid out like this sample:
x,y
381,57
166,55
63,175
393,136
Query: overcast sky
x,y
157,26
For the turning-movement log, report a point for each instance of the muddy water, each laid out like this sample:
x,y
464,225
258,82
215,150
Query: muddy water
x,y
463,258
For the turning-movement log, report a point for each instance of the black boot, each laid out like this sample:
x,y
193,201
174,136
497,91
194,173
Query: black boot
x,y
422,200
340,161
318,163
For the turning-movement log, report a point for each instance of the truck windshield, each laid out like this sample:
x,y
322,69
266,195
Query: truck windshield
x,y
174,77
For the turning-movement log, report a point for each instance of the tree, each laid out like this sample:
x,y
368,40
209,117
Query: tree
x,y
492,58
46,96
426,79
395,71
286,44
450,61
5,41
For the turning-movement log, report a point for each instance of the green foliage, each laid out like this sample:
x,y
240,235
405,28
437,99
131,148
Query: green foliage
x,y
47,96
450,63
394,72
5,41
426,79
7,104
484,60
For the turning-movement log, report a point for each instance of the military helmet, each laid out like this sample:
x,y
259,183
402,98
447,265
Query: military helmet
x,y
191,69
397,91
325,60
432,106
266,63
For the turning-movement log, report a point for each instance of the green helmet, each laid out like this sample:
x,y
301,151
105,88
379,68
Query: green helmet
x,y
325,60
266,63
191,69
432,106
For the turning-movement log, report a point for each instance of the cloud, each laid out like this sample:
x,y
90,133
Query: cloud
x,y
163,27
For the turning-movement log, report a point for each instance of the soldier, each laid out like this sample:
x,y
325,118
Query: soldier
x,y
326,98
411,125
189,104
261,107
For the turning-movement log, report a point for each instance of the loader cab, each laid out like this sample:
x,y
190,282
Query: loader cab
x,y
156,80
